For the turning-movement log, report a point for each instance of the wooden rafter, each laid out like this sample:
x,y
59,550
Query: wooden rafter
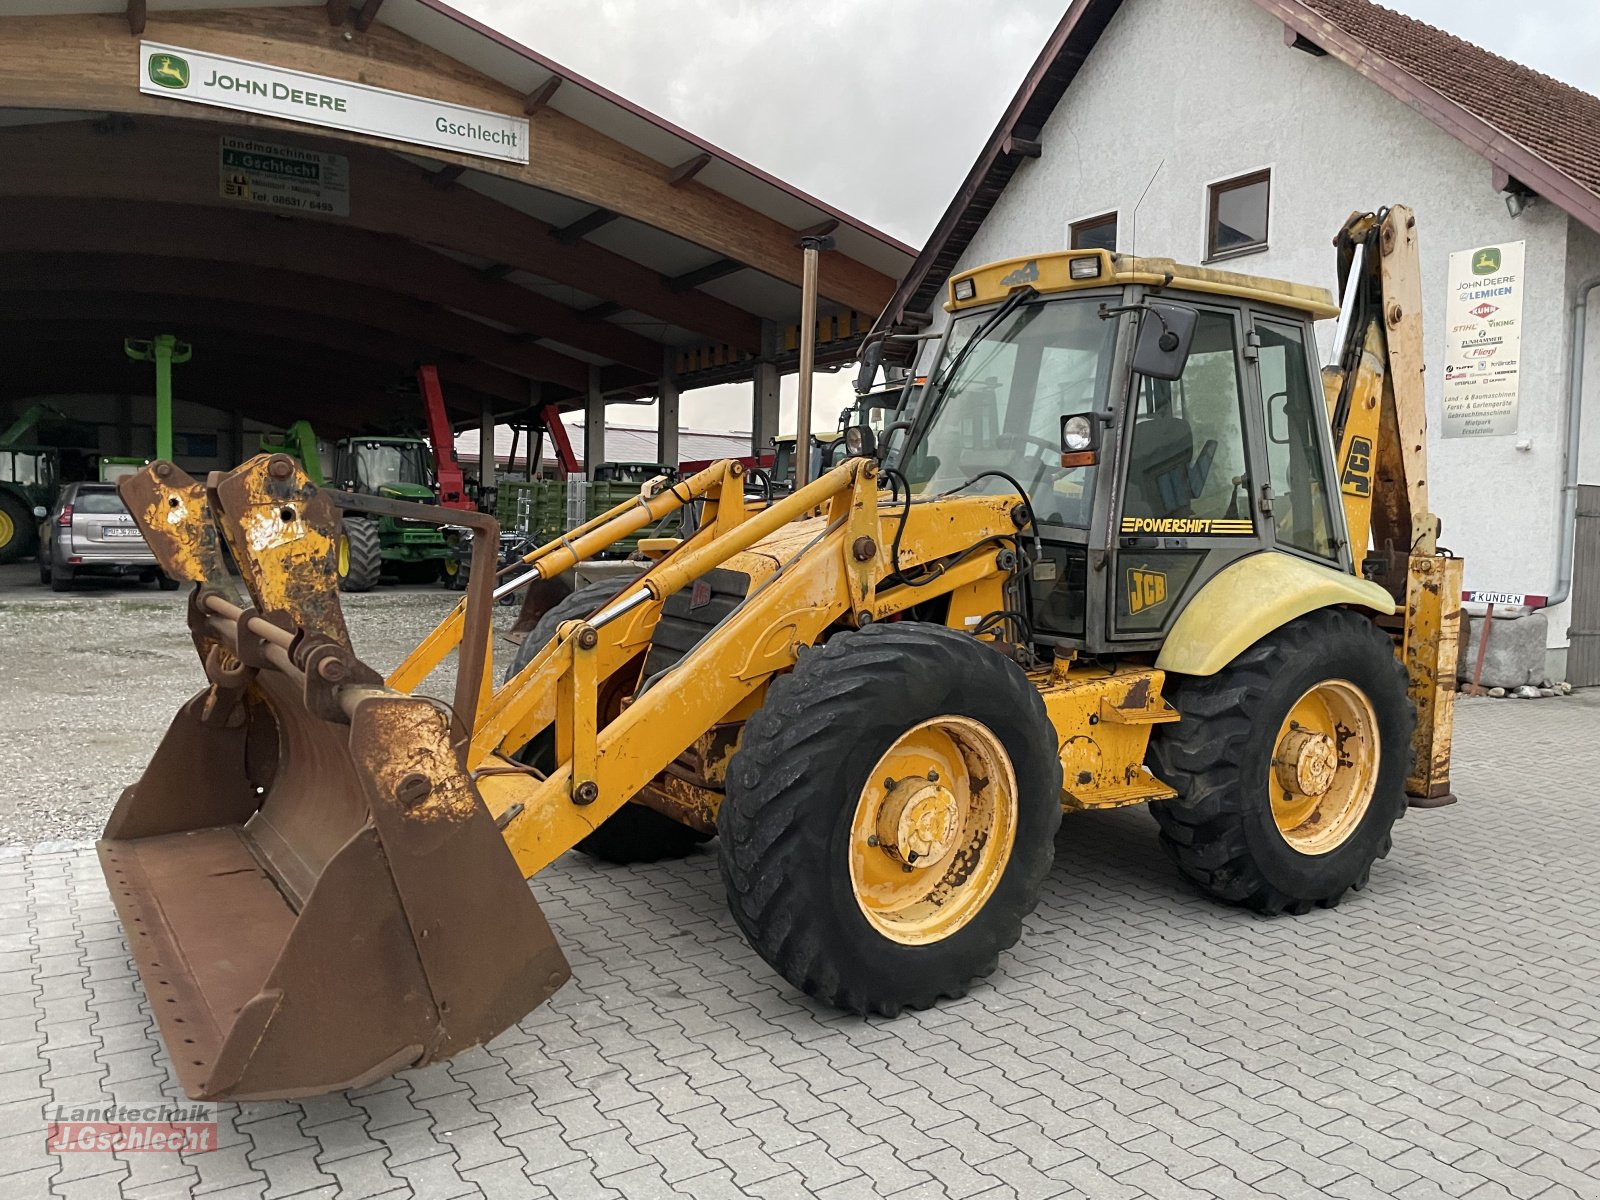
x,y
368,14
573,233
693,279
338,12
64,62
687,170
136,17
541,95
176,162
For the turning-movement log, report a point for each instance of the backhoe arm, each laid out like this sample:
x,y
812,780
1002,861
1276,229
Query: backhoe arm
x,y
1377,405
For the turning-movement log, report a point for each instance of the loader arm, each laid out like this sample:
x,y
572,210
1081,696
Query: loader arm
x,y
1377,405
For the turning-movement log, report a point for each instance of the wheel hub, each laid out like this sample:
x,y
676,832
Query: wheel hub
x,y
1306,761
919,821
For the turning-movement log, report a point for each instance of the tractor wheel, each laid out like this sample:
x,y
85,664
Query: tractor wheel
x,y
455,573
18,530
634,833
1290,766
891,817
360,555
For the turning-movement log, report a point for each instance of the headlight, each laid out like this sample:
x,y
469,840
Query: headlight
x,y
1085,268
965,289
1077,434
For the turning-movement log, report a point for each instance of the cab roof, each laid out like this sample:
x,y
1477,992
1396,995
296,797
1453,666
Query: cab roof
x,y
1055,272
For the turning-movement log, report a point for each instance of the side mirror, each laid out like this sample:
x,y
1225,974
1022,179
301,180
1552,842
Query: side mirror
x,y
871,359
1080,439
40,512
1166,335
860,442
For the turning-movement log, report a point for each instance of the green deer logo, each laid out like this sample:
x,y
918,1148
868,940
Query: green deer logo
x,y
169,71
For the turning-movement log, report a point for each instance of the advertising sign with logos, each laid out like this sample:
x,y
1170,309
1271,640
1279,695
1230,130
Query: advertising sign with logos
x,y
284,177
223,82
1483,341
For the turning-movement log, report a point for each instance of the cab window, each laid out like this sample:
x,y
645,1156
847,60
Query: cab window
x,y
1293,414
1187,457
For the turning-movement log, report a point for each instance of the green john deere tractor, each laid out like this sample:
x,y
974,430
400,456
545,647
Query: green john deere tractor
x,y
397,468
28,475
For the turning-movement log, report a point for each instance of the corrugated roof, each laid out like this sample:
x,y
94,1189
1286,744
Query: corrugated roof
x,y
624,443
1538,131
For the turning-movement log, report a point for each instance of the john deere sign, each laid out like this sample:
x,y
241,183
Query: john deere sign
x,y
214,79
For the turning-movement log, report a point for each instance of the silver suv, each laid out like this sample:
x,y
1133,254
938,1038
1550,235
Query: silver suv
x,y
90,532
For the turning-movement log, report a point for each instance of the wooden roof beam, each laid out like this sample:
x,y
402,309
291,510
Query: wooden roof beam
x,y
338,12
541,95
719,269
687,170
446,177
65,62
201,279
572,234
245,237
171,162
367,15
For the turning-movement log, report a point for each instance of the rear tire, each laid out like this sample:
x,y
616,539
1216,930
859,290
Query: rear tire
x,y
360,555
19,532
839,912
61,580
1225,831
166,582
634,833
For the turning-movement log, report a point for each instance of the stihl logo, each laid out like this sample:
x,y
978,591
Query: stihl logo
x,y
1146,589
1485,310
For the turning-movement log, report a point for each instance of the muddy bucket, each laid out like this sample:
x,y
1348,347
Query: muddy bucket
x,y
312,888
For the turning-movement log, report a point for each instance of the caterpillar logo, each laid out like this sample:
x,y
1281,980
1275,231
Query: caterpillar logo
x,y
1146,589
1357,477
1194,526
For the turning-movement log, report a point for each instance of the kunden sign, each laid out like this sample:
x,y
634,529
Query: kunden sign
x,y
334,103
1483,341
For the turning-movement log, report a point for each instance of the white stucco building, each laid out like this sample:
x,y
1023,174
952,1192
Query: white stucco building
x,y
1303,111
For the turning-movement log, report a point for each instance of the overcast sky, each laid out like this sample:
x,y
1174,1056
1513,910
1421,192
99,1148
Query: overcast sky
x,y
881,107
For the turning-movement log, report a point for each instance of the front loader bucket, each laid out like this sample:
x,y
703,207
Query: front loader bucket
x,y
313,890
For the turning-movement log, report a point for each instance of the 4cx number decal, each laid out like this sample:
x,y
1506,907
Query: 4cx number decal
x,y
1146,589
1357,477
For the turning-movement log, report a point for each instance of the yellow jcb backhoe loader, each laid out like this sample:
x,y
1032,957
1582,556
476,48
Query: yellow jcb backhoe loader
x,y
1124,554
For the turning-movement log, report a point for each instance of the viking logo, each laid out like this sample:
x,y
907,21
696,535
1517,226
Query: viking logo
x,y
1146,589
168,71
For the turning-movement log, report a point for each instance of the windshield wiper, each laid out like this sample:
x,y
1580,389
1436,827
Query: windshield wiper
x,y
1013,301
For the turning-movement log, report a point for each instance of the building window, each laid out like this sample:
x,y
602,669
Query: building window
x,y
1095,233
1237,223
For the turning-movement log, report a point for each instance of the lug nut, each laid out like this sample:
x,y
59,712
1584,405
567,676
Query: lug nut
x,y
863,549
280,467
587,638
163,469
586,792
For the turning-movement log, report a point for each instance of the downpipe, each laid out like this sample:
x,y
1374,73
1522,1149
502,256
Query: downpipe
x,y
1569,485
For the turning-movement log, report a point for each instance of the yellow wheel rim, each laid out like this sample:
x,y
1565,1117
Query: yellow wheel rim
x,y
1324,767
344,556
451,567
8,528
933,830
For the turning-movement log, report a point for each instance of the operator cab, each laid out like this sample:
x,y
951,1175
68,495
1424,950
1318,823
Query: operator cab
x,y
396,467
1163,421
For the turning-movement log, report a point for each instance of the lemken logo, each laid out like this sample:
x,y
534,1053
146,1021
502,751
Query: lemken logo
x,y
1484,310
168,70
1486,261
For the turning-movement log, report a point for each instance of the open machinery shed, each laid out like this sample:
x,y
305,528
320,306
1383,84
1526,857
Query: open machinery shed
x,y
317,196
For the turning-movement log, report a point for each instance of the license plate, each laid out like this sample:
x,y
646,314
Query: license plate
x,y
114,531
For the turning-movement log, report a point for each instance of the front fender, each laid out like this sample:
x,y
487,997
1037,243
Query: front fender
x,y
1250,598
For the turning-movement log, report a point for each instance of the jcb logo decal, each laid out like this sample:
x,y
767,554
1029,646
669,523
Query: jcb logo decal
x,y
1357,477
1146,589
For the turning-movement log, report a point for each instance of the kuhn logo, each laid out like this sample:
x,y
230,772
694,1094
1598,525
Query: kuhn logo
x,y
1484,310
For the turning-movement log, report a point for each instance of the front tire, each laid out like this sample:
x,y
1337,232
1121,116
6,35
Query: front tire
x,y
1290,766
360,555
891,817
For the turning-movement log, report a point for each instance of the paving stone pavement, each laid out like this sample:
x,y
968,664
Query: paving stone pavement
x,y
1439,1035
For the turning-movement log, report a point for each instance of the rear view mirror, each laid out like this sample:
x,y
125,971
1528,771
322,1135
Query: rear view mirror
x,y
1166,334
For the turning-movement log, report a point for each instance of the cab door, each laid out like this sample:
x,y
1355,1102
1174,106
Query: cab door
x,y
1187,485
1298,507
